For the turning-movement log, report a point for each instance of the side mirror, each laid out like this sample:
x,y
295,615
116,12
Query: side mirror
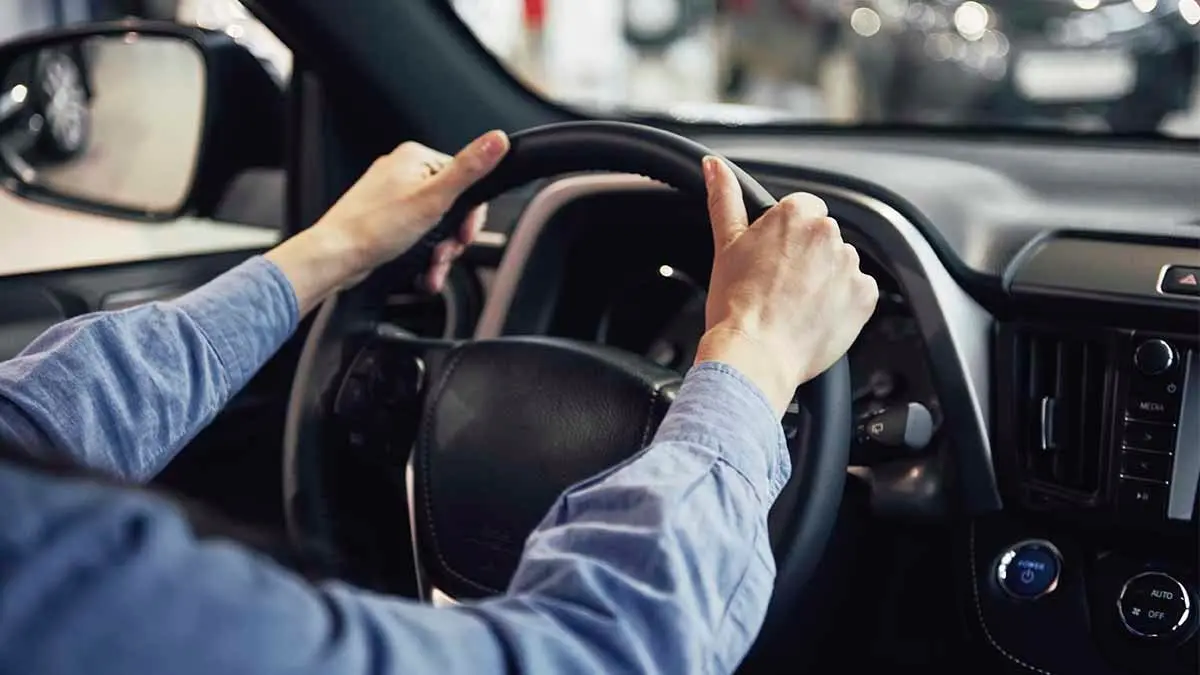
x,y
135,119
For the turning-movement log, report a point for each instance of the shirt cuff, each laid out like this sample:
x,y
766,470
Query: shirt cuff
x,y
246,314
720,407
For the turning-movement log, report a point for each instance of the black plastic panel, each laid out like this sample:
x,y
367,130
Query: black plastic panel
x,y
1086,266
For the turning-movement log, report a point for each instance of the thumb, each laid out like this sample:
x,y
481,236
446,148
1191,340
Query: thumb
x,y
726,209
471,163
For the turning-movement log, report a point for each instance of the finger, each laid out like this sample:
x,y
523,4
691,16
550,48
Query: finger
x,y
439,266
804,206
435,277
473,224
471,163
852,258
726,209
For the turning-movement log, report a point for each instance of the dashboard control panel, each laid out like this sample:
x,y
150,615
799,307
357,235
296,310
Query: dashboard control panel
x,y
1097,448
1099,420
1158,461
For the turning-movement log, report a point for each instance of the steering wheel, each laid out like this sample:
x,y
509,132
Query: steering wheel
x,y
492,431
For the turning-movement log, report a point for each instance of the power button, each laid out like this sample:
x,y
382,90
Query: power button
x,y
1029,569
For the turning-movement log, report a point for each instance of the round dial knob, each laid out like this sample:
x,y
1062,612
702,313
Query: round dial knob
x,y
1154,357
1154,605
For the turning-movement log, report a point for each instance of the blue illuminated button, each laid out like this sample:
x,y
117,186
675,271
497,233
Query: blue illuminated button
x,y
1029,570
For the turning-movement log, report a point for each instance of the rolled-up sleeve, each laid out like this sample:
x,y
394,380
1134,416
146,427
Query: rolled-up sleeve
x,y
124,391
660,565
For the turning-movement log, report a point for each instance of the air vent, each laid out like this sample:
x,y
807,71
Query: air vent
x,y
1062,381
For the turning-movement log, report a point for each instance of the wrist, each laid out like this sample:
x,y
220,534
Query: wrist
x,y
316,262
757,361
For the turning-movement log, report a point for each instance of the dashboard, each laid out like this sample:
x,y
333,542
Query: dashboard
x,y
1039,306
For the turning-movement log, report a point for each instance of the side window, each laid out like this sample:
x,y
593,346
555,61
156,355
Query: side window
x,y
113,126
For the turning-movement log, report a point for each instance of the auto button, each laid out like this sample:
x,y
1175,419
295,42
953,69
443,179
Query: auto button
x,y
1154,605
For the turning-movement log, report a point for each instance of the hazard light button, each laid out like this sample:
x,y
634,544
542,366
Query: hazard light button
x,y
1181,280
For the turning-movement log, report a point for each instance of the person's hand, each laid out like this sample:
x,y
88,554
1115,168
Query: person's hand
x,y
400,197
787,298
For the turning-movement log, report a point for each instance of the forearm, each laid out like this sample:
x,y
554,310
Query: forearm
x,y
123,391
661,565
317,262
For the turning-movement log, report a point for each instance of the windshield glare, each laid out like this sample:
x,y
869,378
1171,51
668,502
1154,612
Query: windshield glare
x,y
1092,66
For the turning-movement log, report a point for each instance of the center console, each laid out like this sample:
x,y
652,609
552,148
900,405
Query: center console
x,y
1092,566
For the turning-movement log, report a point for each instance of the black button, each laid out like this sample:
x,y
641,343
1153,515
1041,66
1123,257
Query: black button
x,y
1152,403
352,399
1153,604
1154,357
1149,465
1140,499
1029,570
1146,436
1181,280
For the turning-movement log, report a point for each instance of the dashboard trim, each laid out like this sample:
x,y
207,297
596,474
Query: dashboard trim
x,y
528,230
1185,474
964,331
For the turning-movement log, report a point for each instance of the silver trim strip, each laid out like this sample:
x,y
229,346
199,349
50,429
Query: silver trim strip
x,y
528,230
490,239
423,593
1048,429
1185,474
431,594
440,599
968,325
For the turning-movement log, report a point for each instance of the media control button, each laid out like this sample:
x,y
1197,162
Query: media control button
x,y
1145,436
1154,605
1141,499
1029,570
1149,465
1150,406
1181,280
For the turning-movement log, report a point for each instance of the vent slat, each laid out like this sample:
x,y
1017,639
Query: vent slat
x,y
1064,398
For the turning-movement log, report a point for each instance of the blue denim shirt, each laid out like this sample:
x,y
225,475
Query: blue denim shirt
x,y
102,581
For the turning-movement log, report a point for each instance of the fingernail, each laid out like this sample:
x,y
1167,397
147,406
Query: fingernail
x,y
710,167
492,143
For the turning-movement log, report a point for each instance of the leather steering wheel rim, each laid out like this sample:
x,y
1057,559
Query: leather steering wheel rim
x,y
805,512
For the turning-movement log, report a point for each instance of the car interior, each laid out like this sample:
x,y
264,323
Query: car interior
x,y
1000,476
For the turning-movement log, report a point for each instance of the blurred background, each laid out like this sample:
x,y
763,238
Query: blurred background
x,y
1107,66
1127,67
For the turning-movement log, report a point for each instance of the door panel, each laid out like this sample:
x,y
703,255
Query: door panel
x,y
233,464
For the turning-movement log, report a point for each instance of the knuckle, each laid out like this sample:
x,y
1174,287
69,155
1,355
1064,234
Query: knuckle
x,y
805,205
791,207
852,256
868,290
827,229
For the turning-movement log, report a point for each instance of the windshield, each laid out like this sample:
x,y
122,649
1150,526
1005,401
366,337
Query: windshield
x,y
1090,66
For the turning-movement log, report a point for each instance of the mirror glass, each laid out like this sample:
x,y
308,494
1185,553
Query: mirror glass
x,y
113,120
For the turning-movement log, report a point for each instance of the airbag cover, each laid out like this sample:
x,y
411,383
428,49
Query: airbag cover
x,y
510,424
